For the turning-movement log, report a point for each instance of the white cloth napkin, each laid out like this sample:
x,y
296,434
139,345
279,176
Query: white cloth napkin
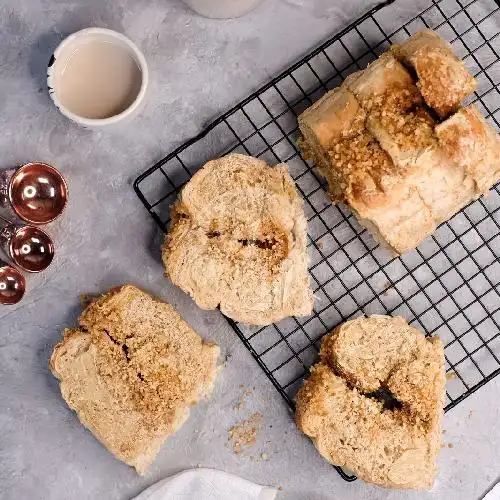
x,y
206,484
494,493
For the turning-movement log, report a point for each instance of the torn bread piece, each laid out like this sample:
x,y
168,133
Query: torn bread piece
x,y
442,77
442,185
335,118
238,239
131,371
374,402
379,195
473,145
385,82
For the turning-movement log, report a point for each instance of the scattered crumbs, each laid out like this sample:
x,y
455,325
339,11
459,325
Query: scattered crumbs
x,y
320,244
240,404
264,456
444,431
280,488
450,445
387,286
470,413
244,433
451,375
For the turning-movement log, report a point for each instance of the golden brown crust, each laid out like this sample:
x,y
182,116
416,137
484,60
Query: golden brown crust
x,y
350,426
336,117
469,141
383,79
443,79
238,240
131,371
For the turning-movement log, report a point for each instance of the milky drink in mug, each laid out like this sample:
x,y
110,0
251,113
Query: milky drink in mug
x,y
222,9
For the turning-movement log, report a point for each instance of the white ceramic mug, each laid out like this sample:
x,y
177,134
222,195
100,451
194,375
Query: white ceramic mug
x,y
222,9
97,77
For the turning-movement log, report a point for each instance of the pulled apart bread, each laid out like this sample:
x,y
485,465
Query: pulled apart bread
x,y
238,240
131,371
442,78
374,402
389,149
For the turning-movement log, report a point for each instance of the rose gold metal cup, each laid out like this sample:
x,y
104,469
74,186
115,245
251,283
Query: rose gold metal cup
x,y
28,247
35,192
12,284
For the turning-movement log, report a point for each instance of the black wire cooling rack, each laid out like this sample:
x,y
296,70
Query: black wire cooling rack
x,y
448,286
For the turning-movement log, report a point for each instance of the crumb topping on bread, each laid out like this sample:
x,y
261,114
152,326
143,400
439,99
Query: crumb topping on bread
x,y
409,129
442,78
443,85
363,165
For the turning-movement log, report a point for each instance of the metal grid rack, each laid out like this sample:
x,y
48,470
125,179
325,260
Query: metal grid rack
x,y
448,286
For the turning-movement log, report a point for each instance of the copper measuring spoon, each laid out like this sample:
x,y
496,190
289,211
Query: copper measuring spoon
x,y
35,192
12,284
28,247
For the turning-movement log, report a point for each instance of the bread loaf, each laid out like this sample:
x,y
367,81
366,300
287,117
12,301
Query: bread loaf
x,y
238,241
131,371
400,168
374,402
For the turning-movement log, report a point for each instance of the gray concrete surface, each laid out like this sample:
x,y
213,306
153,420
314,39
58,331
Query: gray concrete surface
x,y
198,69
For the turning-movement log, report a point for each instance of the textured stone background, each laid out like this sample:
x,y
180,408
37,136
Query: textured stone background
x,y
198,69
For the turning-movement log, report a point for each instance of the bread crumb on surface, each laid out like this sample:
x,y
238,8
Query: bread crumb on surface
x,y
244,433
240,403
451,375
